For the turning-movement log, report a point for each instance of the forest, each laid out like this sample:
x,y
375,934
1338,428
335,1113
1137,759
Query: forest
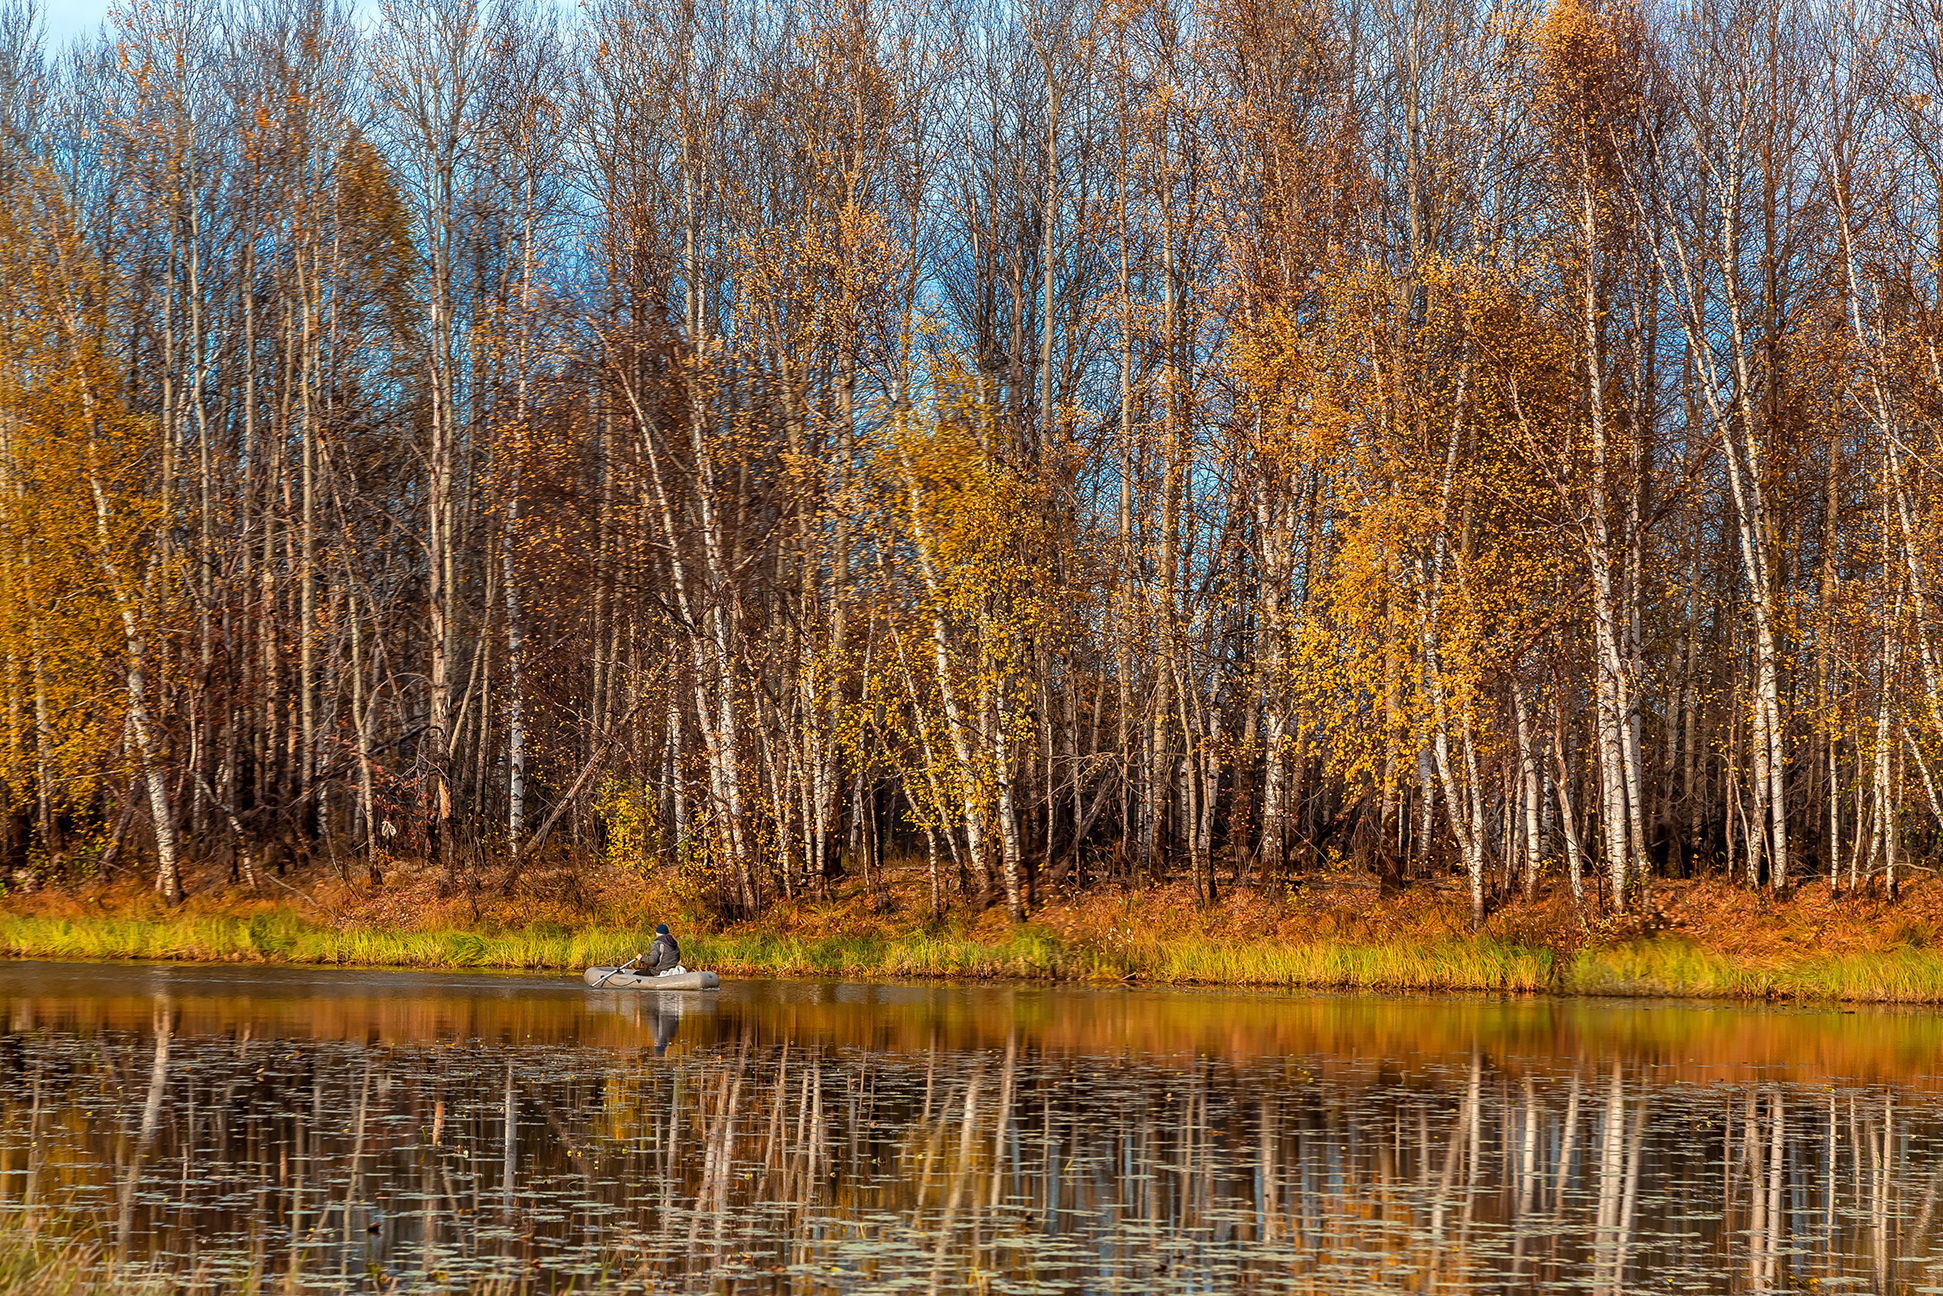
x,y
1023,446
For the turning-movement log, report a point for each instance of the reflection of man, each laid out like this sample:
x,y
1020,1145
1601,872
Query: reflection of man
x,y
664,955
662,1020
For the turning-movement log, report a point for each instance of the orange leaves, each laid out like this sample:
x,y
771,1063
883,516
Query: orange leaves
x,y
1591,69
812,284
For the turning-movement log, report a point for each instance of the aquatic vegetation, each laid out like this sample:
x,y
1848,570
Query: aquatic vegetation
x,y
34,1263
37,1262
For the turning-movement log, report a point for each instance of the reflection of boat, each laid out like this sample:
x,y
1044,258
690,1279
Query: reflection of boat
x,y
659,1015
622,978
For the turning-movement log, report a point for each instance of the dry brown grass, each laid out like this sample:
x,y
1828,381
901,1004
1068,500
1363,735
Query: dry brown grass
x,y
1722,918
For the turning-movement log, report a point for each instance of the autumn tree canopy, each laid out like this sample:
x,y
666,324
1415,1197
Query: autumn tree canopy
x,y
1038,445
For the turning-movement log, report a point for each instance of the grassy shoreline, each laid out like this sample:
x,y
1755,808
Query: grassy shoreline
x,y
1026,953
1396,945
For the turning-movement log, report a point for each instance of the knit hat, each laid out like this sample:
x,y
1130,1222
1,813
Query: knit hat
x,y
661,929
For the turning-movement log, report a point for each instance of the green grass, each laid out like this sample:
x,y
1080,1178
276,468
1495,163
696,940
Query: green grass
x,y
1024,953
1659,966
285,938
1681,968
1451,964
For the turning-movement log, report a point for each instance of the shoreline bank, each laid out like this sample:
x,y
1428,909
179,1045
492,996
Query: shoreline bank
x,y
1063,946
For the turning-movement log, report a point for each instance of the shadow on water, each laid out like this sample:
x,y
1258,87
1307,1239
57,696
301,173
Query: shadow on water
x,y
266,1127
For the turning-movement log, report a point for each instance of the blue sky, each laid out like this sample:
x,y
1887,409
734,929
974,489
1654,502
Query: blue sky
x,y
67,19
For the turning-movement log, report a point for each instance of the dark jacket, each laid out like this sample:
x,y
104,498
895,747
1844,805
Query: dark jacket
x,y
662,955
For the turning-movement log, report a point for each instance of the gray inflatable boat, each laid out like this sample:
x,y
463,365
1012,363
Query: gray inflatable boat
x,y
625,978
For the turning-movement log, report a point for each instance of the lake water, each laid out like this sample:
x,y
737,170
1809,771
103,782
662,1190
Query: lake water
x,y
329,1130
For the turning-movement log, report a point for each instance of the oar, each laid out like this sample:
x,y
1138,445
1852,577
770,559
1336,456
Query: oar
x,y
615,971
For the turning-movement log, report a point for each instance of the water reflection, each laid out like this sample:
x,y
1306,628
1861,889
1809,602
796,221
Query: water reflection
x,y
410,1133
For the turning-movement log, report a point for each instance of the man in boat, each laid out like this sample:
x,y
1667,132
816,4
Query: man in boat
x,y
663,955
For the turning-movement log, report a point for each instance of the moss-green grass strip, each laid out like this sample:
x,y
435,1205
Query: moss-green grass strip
x,y
1658,966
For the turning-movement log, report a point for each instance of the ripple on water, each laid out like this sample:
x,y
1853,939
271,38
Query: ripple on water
x,y
416,1133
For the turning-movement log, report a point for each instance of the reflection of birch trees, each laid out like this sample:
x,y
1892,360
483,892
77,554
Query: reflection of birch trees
x,y
733,1154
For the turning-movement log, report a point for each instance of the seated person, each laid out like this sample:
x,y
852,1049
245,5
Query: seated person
x,y
664,955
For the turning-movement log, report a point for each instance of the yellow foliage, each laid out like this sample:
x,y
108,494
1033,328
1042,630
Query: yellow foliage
x,y
1441,509
627,814
79,505
975,527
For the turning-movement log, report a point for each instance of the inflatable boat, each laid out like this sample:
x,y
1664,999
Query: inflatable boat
x,y
626,978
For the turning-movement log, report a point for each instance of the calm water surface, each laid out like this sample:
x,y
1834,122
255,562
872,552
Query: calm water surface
x,y
383,1131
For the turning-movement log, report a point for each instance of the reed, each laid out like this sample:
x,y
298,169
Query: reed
x,y
36,1261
